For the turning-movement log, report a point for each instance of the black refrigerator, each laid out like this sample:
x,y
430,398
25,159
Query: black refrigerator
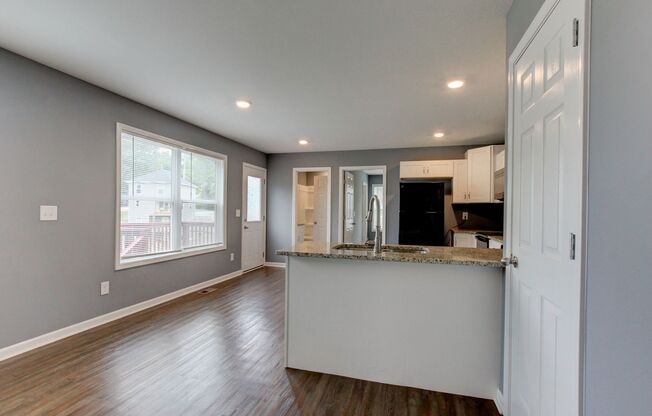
x,y
421,218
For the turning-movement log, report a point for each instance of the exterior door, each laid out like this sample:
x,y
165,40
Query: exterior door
x,y
320,228
254,192
546,116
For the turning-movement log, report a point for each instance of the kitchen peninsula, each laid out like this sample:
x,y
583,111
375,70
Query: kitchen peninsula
x,y
427,317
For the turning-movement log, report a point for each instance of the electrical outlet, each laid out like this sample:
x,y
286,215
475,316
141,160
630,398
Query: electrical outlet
x,y
48,213
232,256
104,288
465,216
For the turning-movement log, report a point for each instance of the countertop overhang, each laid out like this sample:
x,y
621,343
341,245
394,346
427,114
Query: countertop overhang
x,y
483,257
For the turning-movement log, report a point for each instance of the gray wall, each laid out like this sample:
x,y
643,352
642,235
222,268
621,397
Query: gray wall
x,y
518,19
619,265
58,147
279,200
619,287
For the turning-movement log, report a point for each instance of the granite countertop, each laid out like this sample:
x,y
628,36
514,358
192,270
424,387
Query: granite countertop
x,y
484,257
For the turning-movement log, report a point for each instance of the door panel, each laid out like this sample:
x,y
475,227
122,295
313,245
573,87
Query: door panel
x,y
551,176
349,207
320,228
546,208
254,192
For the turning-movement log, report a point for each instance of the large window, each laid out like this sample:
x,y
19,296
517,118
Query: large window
x,y
171,199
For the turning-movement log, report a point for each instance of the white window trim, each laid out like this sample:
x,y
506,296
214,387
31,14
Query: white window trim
x,y
158,258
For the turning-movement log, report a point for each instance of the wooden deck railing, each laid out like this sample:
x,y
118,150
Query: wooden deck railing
x,y
151,238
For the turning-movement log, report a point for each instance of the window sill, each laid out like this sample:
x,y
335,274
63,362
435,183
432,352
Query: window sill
x,y
160,258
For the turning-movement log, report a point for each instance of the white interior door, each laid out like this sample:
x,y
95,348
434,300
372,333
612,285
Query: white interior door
x,y
364,207
349,207
547,147
320,227
254,192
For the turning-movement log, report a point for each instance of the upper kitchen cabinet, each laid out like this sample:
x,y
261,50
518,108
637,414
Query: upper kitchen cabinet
x,y
480,174
427,169
460,181
479,182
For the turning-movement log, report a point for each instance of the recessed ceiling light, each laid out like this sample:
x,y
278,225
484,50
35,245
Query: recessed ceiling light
x,y
438,135
458,83
303,141
243,104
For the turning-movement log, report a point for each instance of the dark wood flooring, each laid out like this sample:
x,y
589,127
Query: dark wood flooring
x,y
215,354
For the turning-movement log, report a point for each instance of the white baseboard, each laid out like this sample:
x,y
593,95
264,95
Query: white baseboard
x,y
41,340
274,264
499,401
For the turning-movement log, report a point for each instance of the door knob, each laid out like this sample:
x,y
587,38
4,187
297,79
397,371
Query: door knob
x,y
246,228
511,260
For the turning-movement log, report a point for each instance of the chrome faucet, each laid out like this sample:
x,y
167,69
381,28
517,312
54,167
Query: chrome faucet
x,y
377,238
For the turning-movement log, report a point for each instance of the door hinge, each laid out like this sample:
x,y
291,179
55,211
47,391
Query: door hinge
x,y
572,246
576,32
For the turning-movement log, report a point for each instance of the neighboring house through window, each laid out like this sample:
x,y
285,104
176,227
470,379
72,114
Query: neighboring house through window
x,y
171,199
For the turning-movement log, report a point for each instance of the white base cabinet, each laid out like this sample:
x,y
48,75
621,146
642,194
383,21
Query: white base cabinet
x,y
431,326
465,240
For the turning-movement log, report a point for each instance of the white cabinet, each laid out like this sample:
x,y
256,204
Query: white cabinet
x,y
480,174
499,159
495,244
478,183
474,178
460,181
426,169
464,240
413,170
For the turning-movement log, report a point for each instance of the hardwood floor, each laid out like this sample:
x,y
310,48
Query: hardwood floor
x,y
219,353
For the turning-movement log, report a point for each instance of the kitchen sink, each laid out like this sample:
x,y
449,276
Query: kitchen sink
x,y
385,248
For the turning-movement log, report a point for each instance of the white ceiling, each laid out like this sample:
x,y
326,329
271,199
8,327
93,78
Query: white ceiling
x,y
346,74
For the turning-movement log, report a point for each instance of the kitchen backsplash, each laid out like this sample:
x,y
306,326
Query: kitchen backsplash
x,y
481,216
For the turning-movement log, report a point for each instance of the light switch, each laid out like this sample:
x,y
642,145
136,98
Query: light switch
x,y
237,213
48,212
105,288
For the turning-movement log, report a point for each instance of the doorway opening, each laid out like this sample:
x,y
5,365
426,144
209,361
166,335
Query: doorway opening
x,y
311,205
357,185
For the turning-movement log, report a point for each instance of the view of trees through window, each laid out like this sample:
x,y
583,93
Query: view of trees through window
x,y
171,199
